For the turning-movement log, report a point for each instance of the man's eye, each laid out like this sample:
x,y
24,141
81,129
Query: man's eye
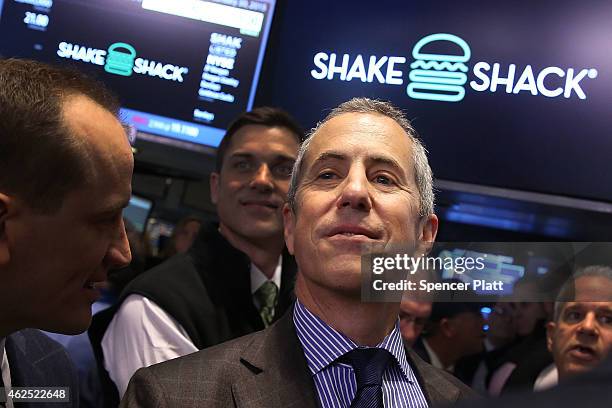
x,y
327,175
283,170
605,320
573,317
242,165
382,179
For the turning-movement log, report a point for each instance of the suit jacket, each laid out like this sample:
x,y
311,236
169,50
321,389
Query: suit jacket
x,y
37,361
419,348
208,291
465,368
262,370
531,356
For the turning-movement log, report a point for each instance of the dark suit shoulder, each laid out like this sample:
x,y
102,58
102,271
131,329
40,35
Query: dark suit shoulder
x,y
37,361
37,344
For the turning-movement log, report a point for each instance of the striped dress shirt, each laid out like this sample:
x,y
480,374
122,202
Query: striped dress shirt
x,y
335,382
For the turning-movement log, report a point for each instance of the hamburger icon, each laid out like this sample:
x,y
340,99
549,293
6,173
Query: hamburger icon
x,y
438,77
120,59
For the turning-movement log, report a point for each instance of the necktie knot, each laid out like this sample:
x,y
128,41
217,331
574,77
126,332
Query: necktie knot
x,y
267,295
369,365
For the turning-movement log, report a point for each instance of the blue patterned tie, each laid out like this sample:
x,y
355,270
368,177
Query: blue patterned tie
x,y
369,365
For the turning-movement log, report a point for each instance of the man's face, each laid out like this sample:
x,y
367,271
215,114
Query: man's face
x,y
502,329
582,336
358,188
55,258
526,315
186,235
413,316
252,187
468,332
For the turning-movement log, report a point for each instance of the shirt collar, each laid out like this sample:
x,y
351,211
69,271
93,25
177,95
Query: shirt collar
x,y
435,360
258,278
323,344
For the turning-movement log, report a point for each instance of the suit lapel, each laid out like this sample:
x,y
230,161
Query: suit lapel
x,y
20,355
436,388
22,371
281,377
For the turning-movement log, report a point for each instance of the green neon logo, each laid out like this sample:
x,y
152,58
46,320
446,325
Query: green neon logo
x,y
120,59
435,77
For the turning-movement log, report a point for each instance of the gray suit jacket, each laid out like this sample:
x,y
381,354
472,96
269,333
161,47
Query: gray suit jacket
x,y
261,370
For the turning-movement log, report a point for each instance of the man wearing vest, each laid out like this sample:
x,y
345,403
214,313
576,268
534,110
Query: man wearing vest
x,y
236,279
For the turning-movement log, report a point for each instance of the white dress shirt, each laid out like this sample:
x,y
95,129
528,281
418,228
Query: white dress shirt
x,y
6,372
142,334
548,378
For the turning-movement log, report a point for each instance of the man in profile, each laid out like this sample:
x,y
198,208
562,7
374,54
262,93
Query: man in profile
x,y
65,176
455,331
413,316
361,178
236,279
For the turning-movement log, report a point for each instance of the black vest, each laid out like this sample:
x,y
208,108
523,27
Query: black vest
x,y
207,291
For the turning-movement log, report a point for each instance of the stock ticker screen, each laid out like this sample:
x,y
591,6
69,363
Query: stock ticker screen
x,y
183,69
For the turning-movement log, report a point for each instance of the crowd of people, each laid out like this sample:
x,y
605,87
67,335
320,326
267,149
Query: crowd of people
x,y
262,308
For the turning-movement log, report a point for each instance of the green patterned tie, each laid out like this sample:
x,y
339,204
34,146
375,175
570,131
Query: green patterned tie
x,y
267,295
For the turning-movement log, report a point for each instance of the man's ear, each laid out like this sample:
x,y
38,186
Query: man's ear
x,y
428,228
551,327
289,226
5,203
214,187
447,327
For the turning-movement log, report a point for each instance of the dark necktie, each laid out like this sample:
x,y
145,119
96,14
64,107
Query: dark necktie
x,y
369,365
267,295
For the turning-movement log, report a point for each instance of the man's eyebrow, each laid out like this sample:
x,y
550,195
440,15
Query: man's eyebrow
x,y
277,156
372,159
386,161
323,157
244,155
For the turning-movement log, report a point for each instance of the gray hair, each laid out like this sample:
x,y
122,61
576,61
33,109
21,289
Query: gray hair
x,y
567,293
422,171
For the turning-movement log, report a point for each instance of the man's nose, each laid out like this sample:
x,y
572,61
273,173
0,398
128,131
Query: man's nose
x,y
355,192
118,254
262,179
588,324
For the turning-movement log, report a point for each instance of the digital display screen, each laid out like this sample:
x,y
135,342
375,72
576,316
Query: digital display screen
x,y
506,94
183,69
138,211
500,268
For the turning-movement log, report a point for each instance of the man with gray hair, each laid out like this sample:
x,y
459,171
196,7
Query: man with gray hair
x,y
361,180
